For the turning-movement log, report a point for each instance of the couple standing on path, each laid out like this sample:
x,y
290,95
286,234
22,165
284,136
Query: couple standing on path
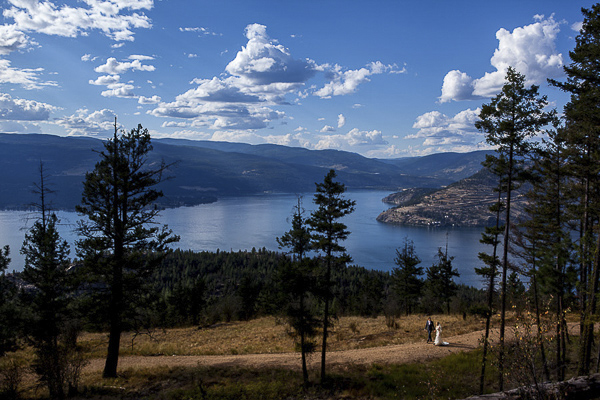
x,y
438,333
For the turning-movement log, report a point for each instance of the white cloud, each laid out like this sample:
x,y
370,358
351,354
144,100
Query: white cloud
x,y
175,124
88,57
112,66
23,110
341,121
264,62
11,39
219,115
260,76
216,90
200,30
140,57
123,90
438,129
457,86
108,16
346,82
531,50
149,100
89,124
577,26
27,78
350,140
327,128
105,80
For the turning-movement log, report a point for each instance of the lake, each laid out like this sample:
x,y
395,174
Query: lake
x,y
245,222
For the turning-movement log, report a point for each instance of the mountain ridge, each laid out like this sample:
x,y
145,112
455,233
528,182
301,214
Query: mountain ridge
x,y
204,171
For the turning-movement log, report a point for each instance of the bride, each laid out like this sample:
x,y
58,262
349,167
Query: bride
x,y
438,336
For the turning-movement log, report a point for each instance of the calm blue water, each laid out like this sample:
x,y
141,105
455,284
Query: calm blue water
x,y
244,223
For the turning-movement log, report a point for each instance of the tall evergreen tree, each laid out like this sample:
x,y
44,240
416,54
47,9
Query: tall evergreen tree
x,y
582,124
121,241
545,237
47,269
509,121
328,232
298,283
440,278
489,271
406,279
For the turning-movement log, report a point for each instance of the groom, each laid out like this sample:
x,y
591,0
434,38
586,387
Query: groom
x,y
429,327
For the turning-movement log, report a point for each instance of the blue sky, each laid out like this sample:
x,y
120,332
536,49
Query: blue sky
x,y
380,78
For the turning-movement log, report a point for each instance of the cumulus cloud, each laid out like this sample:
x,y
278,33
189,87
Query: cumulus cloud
x,y
86,123
114,18
123,90
263,61
11,39
219,115
327,128
112,66
88,57
438,129
23,110
27,78
346,82
149,100
261,75
350,140
531,50
105,80
217,90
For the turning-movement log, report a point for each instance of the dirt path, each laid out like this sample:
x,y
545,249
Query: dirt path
x,y
393,354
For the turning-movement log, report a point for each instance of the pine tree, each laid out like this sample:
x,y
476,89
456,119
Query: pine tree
x,y
327,233
582,127
298,283
405,276
509,121
440,278
121,241
489,272
545,236
47,269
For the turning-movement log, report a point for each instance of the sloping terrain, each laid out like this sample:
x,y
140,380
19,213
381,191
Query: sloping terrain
x,y
465,203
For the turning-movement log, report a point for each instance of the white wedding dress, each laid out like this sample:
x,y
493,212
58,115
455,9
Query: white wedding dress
x,y
438,337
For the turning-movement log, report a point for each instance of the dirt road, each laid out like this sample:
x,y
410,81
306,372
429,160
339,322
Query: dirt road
x,y
393,354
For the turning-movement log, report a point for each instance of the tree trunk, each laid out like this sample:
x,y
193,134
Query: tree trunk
x,y
490,299
505,271
326,316
114,338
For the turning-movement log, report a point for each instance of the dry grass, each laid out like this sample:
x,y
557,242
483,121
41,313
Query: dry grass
x,y
270,335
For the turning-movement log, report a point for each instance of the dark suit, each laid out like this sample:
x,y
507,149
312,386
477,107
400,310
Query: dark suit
x,y
429,327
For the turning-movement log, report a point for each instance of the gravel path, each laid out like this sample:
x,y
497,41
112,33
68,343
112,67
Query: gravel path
x,y
393,354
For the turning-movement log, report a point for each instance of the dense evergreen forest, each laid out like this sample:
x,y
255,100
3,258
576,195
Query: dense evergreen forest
x,y
206,287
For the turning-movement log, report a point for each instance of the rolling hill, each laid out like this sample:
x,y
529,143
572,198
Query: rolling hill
x,y
204,171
